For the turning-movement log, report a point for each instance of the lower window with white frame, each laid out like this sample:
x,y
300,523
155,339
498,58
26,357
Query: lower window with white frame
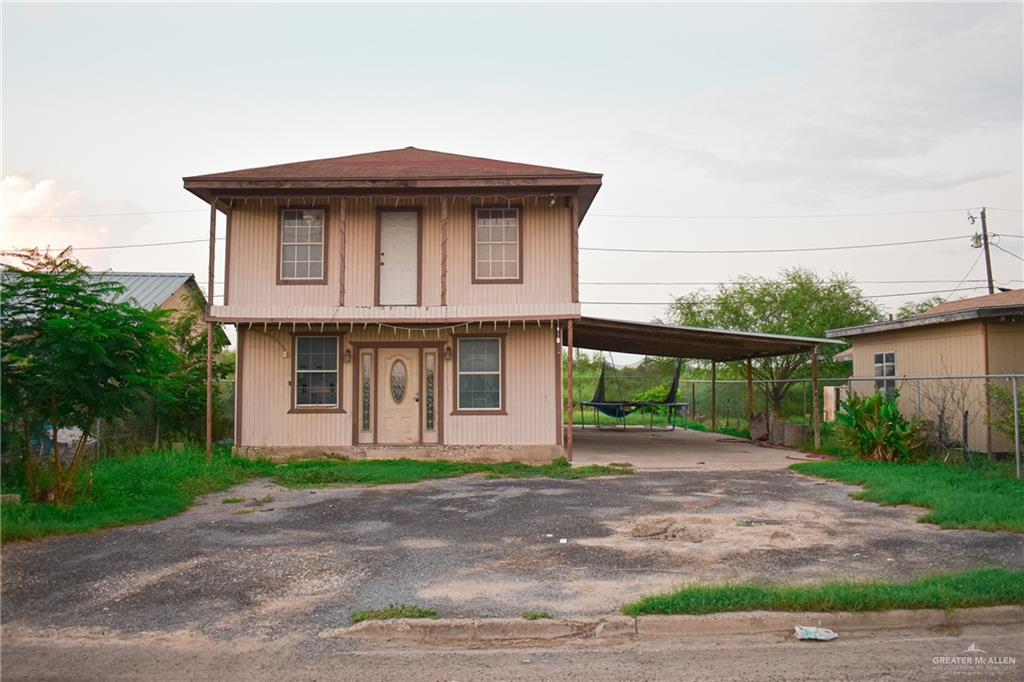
x,y
479,373
316,371
885,372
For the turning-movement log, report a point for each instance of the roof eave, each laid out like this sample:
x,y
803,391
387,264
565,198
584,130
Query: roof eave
x,y
926,321
207,188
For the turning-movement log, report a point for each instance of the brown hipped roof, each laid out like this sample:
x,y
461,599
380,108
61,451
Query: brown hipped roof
x,y
396,171
409,163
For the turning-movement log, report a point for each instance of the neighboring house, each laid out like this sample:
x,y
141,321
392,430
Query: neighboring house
x,y
401,298
971,337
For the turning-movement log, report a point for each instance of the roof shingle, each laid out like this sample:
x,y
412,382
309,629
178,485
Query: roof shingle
x,y
409,163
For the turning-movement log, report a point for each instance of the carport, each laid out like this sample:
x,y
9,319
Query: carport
x,y
689,343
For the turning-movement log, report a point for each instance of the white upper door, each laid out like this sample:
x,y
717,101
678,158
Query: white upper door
x,y
399,258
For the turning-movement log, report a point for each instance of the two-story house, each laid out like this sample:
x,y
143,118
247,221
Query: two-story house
x,y
404,299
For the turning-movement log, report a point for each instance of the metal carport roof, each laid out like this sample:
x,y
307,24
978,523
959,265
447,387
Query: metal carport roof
x,y
648,338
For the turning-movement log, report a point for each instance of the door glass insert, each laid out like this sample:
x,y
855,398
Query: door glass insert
x,y
399,379
366,388
430,390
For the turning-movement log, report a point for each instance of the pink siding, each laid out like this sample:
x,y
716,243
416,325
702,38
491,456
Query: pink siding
x,y
253,258
531,392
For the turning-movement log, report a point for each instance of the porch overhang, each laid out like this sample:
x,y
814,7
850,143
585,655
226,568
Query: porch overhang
x,y
695,343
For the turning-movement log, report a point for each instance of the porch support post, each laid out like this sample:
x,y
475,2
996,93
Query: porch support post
x,y
569,394
714,395
342,235
444,254
209,330
816,398
750,391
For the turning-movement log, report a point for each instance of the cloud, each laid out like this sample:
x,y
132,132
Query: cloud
x,y
34,215
874,116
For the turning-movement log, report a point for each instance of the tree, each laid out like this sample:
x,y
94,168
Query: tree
x,y
914,308
798,303
71,354
182,407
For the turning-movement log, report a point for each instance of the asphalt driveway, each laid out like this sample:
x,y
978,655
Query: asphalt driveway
x,y
303,561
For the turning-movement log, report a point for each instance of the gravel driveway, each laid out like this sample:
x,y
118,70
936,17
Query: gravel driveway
x,y
305,560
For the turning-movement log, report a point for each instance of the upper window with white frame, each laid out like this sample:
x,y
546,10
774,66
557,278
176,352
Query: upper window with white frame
x,y
497,245
479,374
316,371
885,372
303,232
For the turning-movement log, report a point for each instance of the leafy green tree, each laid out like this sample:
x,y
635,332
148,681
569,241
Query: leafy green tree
x,y
72,354
181,409
914,308
798,303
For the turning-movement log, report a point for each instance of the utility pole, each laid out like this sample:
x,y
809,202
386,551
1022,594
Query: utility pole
x,y
988,256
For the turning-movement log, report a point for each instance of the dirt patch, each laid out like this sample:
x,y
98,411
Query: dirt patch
x,y
712,536
671,529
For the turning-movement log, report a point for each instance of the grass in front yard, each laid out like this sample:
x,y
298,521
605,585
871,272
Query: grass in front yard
x,y
394,611
388,471
129,490
981,587
985,498
152,486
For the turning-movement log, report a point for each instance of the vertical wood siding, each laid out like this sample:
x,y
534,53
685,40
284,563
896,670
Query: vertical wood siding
x,y
547,275
531,392
952,349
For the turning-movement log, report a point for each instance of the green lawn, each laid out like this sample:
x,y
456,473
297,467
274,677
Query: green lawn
x,y
986,498
981,587
152,486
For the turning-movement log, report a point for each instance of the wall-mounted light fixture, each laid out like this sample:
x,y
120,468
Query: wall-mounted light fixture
x,y
448,353
348,355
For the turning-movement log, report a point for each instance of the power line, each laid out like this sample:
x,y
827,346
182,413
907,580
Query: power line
x,y
132,246
596,215
104,215
795,250
778,216
907,293
969,271
1006,251
862,281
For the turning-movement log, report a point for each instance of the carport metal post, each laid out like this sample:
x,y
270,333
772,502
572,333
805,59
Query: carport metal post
x,y
750,391
714,396
815,399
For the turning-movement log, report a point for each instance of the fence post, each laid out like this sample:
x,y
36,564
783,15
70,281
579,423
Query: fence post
x,y
1016,422
714,396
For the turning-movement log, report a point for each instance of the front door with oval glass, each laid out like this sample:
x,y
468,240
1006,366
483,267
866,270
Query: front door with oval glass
x,y
398,396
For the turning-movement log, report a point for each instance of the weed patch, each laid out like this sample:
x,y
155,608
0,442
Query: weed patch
x,y
985,498
394,611
981,587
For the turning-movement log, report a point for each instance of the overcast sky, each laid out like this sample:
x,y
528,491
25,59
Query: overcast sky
x,y
688,110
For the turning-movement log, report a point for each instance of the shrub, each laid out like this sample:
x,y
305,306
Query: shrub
x,y
873,428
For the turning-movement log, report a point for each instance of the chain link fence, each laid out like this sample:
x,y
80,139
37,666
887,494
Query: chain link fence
x,y
966,413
